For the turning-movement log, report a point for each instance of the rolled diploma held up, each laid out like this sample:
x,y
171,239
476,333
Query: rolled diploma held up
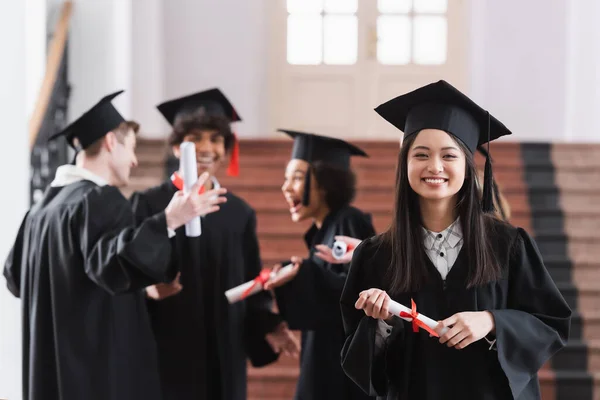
x,y
235,294
190,176
396,308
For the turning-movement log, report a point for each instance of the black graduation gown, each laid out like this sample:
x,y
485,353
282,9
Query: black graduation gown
x,y
203,341
78,266
310,303
532,323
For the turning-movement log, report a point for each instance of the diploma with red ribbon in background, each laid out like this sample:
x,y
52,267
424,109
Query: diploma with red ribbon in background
x,y
256,285
178,182
411,315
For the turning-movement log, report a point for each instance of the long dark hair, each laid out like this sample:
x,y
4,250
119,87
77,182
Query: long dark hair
x,y
339,184
407,270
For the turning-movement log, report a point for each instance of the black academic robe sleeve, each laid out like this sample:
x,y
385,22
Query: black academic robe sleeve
x,y
359,359
309,301
143,206
12,266
259,318
118,256
536,322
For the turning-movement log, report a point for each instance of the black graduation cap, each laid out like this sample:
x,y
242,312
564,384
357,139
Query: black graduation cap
x,y
93,124
310,148
212,101
441,106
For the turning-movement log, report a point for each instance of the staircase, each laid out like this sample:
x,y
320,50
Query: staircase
x,y
553,191
564,195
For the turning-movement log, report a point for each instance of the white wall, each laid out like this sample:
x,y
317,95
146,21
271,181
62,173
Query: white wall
x,y
518,64
35,49
158,50
100,53
583,72
532,63
148,79
219,43
22,36
534,66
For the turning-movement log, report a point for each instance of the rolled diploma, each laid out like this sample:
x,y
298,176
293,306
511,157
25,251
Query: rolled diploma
x,y
339,249
235,294
189,170
396,308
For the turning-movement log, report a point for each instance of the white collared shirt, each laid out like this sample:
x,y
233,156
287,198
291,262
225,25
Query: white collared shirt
x,y
68,174
442,248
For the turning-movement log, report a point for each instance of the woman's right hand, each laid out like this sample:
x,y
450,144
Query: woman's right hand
x,y
375,303
184,207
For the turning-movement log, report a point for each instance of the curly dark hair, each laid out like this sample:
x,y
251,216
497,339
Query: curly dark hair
x,y
339,184
202,122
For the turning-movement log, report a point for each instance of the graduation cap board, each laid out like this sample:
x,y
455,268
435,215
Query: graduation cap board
x,y
209,102
93,124
311,148
441,106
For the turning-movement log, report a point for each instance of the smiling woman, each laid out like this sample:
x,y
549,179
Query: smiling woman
x,y
319,185
468,270
436,166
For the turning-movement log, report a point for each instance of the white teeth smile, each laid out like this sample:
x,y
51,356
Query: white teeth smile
x,y
429,180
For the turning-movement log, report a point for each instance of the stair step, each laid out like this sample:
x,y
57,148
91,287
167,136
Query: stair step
x,y
590,321
581,201
583,252
585,296
572,385
562,269
578,356
584,156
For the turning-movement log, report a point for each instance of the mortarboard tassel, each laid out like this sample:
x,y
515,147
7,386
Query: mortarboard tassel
x,y
306,194
496,189
488,178
234,161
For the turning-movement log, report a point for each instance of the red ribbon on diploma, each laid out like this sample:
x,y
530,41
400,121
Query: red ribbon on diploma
x,y
261,279
178,182
416,323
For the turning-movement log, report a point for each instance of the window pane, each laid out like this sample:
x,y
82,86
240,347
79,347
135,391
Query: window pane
x,y
430,43
341,39
305,6
394,6
341,6
393,39
304,39
431,6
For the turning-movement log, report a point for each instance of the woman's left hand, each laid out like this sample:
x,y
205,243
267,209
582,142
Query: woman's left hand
x,y
465,328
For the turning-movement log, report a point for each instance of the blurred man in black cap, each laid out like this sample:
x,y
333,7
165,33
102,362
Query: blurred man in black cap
x,y
203,341
79,267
